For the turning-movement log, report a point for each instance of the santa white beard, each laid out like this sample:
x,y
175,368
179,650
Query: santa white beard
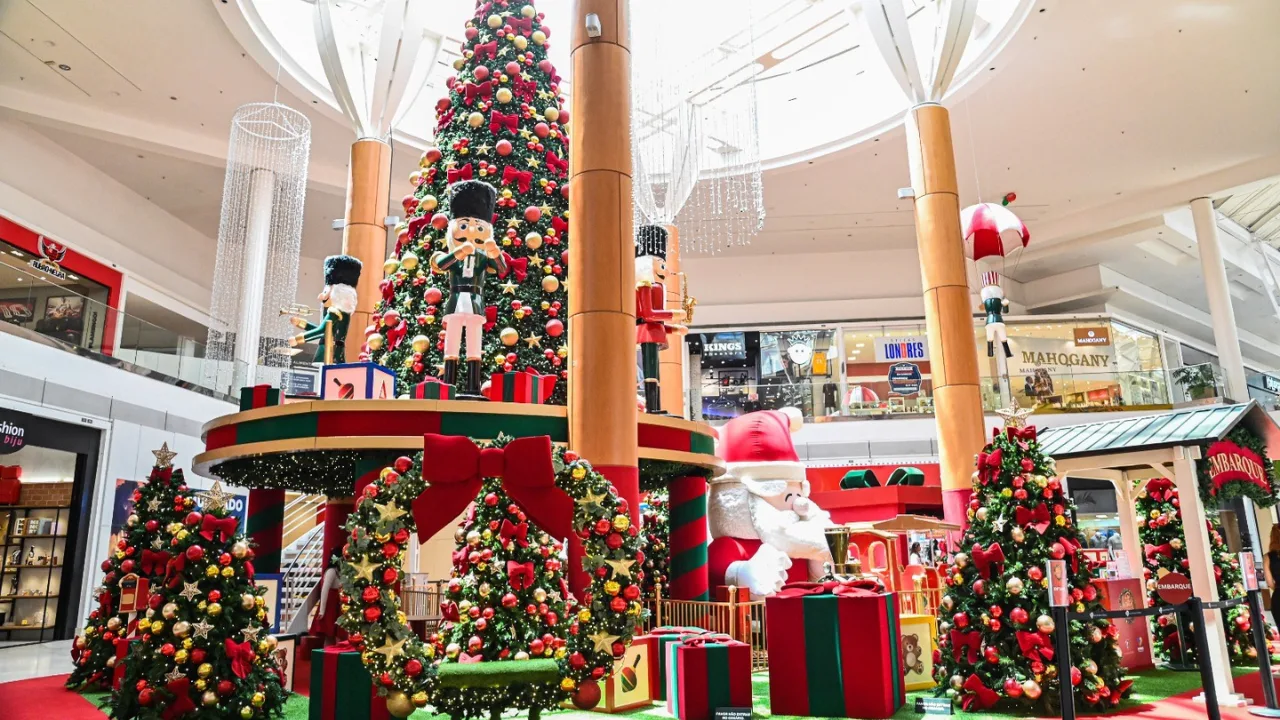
x,y
799,536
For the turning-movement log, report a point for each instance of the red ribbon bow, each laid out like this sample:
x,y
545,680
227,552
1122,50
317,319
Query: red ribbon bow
x,y
454,466
241,655
1021,435
523,24
463,173
444,120
1153,550
1069,548
466,659
560,225
1157,487
985,559
518,267
164,475
182,704
520,575
978,694
154,561
173,571
471,91
522,178
962,641
395,335
498,121
524,89
512,531
555,164
483,50
989,465
490,317
850,588
704,638
1035,646
449,611
223,527
1038,518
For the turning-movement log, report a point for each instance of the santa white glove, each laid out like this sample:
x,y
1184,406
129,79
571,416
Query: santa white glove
x,y
764,574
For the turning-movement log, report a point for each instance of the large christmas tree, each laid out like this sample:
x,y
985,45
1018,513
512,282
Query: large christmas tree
x,y
142,549
995,631
1159,513
206,648
501,123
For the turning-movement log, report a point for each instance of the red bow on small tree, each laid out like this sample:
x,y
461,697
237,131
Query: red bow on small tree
x,y
984,560
966,641
522,178
1035,646
516,532
560,225
1160,488
1069,548
241,656
471,91
1038,518
523,24
181,704
224,528
1153,550
498,121
462,173
153,561
989,465
483,50
978,694
173,571
557,165
1021,435
520,575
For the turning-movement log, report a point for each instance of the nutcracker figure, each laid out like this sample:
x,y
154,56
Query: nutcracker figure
x,y
471,254
654,323
995,305
341,274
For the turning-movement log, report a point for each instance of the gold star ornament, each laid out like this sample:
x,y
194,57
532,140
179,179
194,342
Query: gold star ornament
x,y
164,456
508,288
388,512
589,498
390,649
534,341
620,567
603,642
1015,417
215,498
364,568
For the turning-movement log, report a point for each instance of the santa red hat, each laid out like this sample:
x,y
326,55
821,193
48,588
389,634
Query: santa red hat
x,y
757,447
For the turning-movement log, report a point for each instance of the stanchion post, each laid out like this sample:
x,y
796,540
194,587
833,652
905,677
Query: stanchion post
x,y
1259,619
1196,606
1063,640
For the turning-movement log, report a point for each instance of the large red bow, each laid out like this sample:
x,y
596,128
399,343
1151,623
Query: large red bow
x,y
453,467
181,705
241,655
1021,435
483,50
1153,550
1069,548
524,89
173,571
513,531
1035,646
522,178
153,561
449,611
498,121
523,24
962,641
471,91
463,173
1160,488
702,638
223,527
164,474
518,267
560,225
1038,518
555,164
985,559
520,575
989,465
848,588
978,694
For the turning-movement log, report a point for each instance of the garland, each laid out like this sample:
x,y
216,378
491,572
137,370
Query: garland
x,y
1216,497
405,668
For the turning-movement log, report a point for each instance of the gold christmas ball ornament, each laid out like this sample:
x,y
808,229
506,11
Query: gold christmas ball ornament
x,y
258,699
1176,543
475,119
494,21
113,624
205,670
1014,586
390,266
1017,534
509,336
428,203
200,684
957,682
239,549
981,514
522,655
533,240
528,11
539,595
419,699
133,520
421,343
409,261
228,572
1045,624
180,657
552,114
209,698
214,609
246,712
538,37
503,95
550,283
181,628
374,341
247,601
157,627
521,42
399,704
962,560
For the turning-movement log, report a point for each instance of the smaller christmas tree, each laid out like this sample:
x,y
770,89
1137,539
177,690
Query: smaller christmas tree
x,y
657,548
205,650
142,550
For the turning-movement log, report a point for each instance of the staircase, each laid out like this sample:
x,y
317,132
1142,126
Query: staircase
x,y
301,560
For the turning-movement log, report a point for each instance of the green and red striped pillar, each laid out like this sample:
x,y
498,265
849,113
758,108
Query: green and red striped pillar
x,y
265,526
688,543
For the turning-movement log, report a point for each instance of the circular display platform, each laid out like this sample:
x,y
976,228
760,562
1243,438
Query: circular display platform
x,y
323,445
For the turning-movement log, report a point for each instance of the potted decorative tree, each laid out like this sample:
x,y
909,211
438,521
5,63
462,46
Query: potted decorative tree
x,y
1198,381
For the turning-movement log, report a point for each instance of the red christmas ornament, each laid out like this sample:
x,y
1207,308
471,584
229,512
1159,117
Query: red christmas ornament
x,y
193,518
369,594
510,600
214,596
587,696
960,620
491,499
1018,616
1035,573
195,552
413,668
439,221
1012,687
145,696
991,655
533,213
481,72
371,614
225,687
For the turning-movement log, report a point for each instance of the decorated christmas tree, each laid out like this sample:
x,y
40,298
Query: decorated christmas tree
x,y
995,631
657,549
142,550
1160,527
205,648
502,123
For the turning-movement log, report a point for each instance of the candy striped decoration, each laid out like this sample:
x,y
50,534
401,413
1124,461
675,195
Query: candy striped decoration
x,y
688,543
265,526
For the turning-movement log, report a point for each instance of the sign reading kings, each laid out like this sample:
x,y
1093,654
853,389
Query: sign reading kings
x,y
1228,462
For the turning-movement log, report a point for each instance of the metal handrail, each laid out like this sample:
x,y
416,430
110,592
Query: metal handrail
x,y
309,555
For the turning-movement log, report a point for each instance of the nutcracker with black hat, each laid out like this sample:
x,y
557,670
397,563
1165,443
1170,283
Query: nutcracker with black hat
x,y
654,323
470,255
341,275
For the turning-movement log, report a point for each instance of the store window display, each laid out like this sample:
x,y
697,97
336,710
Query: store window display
x,y
887,371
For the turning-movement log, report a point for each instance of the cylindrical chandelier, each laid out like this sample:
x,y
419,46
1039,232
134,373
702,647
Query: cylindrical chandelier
x,y
259,241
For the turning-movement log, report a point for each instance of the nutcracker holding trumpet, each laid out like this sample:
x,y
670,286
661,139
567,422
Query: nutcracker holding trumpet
x,y
341,275
654,322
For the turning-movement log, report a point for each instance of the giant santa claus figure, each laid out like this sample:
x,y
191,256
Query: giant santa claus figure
x,y
765,531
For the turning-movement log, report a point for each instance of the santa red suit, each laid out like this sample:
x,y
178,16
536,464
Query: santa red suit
x,y
765,531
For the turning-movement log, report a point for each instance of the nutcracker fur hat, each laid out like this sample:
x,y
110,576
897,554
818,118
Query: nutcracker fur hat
x,y
472,199
758,452
651,241
342,270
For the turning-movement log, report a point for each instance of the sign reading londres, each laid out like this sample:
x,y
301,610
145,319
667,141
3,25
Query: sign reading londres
x,y
1229,462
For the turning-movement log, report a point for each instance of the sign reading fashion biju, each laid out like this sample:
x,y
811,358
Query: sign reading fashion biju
x,y
1230,462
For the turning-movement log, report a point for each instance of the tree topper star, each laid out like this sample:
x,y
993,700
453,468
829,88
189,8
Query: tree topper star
x,y
215,498
1015,417
164,457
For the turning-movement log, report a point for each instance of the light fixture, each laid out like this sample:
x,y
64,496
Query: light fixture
x,y
15,252
73,277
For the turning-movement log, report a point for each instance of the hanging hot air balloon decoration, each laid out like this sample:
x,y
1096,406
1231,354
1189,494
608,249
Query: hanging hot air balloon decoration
x,y
991,234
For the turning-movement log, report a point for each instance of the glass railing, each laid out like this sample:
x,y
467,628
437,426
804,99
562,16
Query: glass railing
x,y
1198,383
1091,392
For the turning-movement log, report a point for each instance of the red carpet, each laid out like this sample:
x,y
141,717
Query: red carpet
x,y
43,699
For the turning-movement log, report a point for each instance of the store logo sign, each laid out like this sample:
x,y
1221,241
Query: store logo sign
x,y
51,255
12,437
1230,462
904,378
904,348
1271,383
1092,336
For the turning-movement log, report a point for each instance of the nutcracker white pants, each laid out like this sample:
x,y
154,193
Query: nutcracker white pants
x,y
453,327
995,333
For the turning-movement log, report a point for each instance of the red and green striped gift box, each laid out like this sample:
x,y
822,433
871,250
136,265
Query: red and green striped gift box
x,y
841,645
706,672
664,636
258,396
341,688
521,387
432,389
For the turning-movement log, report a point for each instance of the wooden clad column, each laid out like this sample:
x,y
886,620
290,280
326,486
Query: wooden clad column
x,y
365,236
602,312
671,361
953,353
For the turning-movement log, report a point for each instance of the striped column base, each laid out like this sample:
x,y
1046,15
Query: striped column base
x,y
688,543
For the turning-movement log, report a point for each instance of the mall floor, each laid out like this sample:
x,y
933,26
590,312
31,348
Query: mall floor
x,y
25,661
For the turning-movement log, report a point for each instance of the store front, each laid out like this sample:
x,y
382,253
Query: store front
x,y
1087,364
47,471
55,291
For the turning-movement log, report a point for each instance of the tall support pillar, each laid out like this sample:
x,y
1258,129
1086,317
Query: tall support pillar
x,y
1215,286
602,312
687,543
953,354
364,236
265,526
671,361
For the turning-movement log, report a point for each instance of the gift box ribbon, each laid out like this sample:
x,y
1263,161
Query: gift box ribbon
x,y
847,588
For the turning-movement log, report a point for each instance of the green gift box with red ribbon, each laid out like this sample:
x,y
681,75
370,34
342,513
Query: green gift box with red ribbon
x,y
432,389
521,387
840,641
707,671
259,396
341,688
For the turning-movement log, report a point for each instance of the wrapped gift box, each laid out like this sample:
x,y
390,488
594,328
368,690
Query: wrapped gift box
x,y
357,381
632,683
286,657
258,396
917,641
521,387
842,648
663,637
432,389
341,688
705,672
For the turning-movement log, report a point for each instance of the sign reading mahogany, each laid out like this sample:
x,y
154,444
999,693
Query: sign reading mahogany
x,y
1174,588
1229,462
